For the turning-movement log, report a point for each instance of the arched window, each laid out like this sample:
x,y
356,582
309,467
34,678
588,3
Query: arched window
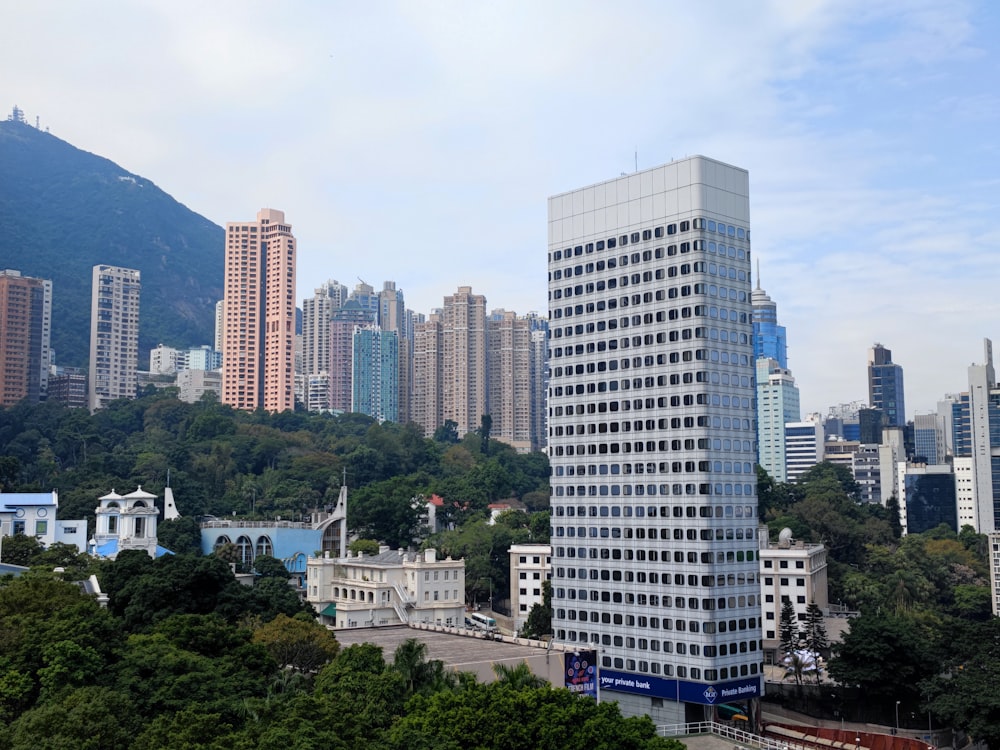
x,y
221,541
245,548
264,546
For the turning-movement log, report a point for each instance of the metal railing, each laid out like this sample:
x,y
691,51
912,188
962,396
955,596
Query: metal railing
x,y
743,738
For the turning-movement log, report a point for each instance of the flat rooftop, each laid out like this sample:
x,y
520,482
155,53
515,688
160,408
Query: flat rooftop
x,y
458,652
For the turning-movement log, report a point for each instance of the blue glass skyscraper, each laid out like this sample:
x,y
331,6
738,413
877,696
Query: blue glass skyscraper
x,y
885,386
769,339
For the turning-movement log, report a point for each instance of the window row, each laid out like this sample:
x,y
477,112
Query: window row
x,y
651,511
619,553
645,235
650,360
616,532
642,576
655,600
599,266
651,467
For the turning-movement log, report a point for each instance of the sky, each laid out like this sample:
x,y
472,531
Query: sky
x,y
419,141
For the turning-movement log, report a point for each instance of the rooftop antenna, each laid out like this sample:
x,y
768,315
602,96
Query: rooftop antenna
x,y
758,273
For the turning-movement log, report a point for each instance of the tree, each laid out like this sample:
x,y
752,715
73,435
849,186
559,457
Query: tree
x,y
815,632
20,549
886,655
518,676
964,694
180,535
447,433
501,715
365,546
297,643
539,622
789,627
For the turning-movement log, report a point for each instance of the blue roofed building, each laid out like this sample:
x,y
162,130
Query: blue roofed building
x,y
126,522
292,542
34,514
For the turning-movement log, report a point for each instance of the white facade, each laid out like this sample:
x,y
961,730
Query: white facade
x,y
965,491
125,522
164,360
792,569
777,404
804,442
530,565
651,434
114,334
394,587
193,384
34,513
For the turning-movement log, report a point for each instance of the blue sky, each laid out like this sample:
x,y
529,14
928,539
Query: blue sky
x,y
418,141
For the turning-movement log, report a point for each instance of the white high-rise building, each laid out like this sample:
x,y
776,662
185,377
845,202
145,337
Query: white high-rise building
x,y
803,446
777,404
652,438
114,334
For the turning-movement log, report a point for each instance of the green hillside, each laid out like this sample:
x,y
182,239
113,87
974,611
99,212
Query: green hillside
x,y
65,210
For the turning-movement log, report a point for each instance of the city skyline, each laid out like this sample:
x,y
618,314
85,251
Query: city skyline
x,y
396,136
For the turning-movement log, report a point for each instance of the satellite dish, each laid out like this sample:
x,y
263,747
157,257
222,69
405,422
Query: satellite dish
x,y
785,535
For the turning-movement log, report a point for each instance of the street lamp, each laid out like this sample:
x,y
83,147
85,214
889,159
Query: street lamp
x,y
897,717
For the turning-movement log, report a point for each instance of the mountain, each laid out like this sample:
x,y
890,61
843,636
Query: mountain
x,y
64,210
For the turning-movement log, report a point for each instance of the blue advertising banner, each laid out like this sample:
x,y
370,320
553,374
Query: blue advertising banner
x,y
680,690
581,672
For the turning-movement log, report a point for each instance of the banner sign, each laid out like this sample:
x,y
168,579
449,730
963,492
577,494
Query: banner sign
x,y
581,672
680,690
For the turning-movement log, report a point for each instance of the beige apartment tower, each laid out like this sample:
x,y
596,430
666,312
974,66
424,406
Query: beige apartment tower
x,y
258,346
508,346
449,364
114,334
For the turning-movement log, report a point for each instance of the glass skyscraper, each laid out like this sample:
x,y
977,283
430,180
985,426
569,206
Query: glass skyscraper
x,y
651,437
885,386
769,338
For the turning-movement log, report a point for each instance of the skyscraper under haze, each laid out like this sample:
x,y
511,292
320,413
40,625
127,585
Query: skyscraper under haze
x,y
651,436
258,347
114,334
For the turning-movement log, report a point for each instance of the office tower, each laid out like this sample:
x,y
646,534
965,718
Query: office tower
x,y
885,386
25,334
926,497
993,543
508,357
928,438
114,334
974,420
375,376
769,339
803,446
258,346
539,377
651,436
342,324
449,364
777,404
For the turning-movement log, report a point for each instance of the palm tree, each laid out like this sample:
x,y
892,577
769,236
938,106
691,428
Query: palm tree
x,y
410,660
518,677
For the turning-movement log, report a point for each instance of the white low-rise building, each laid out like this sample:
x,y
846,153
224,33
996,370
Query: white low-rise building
x,y
34,514
394,587
530,565
794,570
